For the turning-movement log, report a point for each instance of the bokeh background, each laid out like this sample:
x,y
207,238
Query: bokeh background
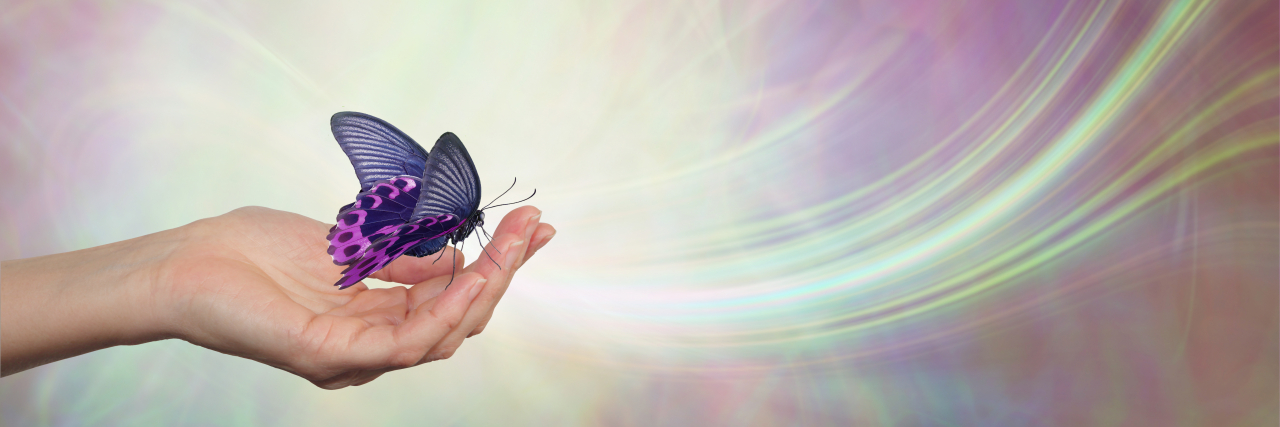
x,y
802,212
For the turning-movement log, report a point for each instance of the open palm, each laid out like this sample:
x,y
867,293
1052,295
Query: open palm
x,y
259,284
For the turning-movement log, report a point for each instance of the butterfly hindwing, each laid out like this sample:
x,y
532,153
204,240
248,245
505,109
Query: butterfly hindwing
x,y
376,212
397,242
377,150
450,183
428,247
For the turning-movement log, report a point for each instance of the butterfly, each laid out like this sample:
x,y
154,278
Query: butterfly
x,y
411,202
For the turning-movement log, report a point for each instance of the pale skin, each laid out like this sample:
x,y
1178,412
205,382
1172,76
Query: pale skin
x,y
257,283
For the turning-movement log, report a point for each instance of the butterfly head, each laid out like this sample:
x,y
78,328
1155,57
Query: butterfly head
x,y
476,220
463,231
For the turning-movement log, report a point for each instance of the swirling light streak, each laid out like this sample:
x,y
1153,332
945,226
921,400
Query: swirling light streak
x,y
882,213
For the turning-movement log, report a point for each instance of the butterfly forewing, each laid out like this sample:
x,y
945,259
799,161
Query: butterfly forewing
x,y
450,182
377,149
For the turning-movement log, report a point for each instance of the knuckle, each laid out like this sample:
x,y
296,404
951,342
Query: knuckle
x,y
445,352
328,385
331,382
405,359
449,322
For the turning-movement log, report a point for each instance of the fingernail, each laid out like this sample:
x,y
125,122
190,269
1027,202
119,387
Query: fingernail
x,y
513,252
546,239
475,288
533,223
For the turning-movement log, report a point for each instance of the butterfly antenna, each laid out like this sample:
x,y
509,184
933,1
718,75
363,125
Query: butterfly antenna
x,y
535,191
513,185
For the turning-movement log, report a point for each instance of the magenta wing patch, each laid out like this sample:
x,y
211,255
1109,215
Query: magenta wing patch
x,y
394,243
375,214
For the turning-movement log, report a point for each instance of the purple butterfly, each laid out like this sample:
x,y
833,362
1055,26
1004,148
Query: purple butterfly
x,y
409,202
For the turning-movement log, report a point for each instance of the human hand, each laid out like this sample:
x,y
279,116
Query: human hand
x,y
260,286
257,283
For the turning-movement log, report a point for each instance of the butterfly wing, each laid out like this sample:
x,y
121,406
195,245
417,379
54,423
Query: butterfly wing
x,y
376,213
377,150
450,183
398,241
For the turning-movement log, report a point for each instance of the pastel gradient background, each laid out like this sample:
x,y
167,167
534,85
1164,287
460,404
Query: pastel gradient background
x,y
1022,213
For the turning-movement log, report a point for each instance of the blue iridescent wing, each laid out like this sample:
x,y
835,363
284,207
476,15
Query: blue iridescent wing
x,y
450,183
377,150
398,241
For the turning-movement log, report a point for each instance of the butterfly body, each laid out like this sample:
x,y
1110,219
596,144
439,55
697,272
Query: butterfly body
x,y
411,202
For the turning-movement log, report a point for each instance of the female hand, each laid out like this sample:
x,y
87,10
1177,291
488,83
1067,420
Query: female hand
x,y
257,283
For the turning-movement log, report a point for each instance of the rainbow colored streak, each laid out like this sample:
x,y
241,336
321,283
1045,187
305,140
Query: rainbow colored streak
x,y
771,213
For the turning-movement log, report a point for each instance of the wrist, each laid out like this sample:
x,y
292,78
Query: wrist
x,y
161,296
63,305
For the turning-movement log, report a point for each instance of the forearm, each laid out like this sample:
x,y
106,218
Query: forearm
x,y
59,306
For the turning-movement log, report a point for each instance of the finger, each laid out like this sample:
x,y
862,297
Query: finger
x,y
339,381
498,247
483,305
483,324
367,377
354,289
431,288
511,258
403,345
412,270
534,230
352,378
519,222
349,379
541,236
523,218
